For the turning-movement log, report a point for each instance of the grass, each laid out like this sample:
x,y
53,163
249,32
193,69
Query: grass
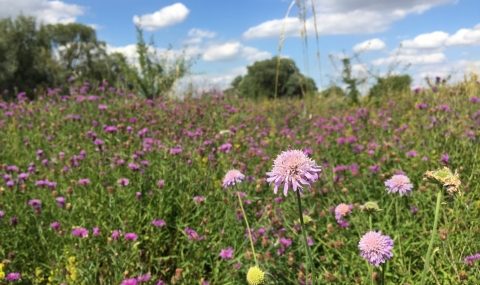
x,y
335,133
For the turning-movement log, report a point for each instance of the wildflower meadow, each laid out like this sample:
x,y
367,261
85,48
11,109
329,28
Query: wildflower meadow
x,y
99,186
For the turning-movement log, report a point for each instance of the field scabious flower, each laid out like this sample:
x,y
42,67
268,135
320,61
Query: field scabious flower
x,y
80,232
255,276
342,210
232,177
376,248
293,168
400,184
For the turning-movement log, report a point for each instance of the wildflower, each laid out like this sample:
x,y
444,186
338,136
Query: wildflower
x,y
60,201
159,223
341,211
35,204
96,231
131,236
13,276
448,180
226,253
255,276
144,277
2,273
469,260
123,182
293,169
160,183
399,184
129,281
192,234
232,177
376,248
83,181
55,226
199,199
176,150
80,232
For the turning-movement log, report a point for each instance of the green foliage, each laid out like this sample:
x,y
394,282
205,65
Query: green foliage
x,y
333,91
390,85
155,77
262,76
352,83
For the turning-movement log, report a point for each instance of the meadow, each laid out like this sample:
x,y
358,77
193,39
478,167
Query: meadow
x,y
100,186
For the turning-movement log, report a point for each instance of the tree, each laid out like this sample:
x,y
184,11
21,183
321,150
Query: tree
x,y
393,84
262,76
351,82
333,91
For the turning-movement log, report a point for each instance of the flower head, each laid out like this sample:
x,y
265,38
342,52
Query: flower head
x,y
232,177
293,168
376,248
226,253
399,184
255,276
342,210
446,178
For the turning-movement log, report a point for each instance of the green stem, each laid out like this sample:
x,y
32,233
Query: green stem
x,y
426,267
308,256
384,268
248,228
370,271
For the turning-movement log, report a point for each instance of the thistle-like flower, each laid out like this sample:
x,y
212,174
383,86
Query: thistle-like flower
x,y
376,248
293,168
232,177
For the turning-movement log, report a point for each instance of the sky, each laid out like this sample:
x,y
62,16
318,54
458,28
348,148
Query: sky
x,y
221,38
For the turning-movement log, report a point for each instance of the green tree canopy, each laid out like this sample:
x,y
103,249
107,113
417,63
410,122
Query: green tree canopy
x,y
392,84
262,76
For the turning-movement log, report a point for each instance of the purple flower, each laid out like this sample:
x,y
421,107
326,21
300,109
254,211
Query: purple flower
x,y
159,223
232,177
35,204
226,253
134,166
144,277
129,281
160,183
13,276
116,234
192,234
55,226
399,184
176,150
96,231
445,158
84,181
198,199
376,248
226,147
294,169
411,153
131,236
80,232
60,201
2,214
342,210
469,260
123,182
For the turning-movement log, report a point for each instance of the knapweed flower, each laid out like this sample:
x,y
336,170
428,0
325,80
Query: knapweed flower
x,y
342,210
13,276
469,260
293,168
80,232
400,184
129,281
159,223
232,177
35,204
226,253
131,236
255,276
123,182
376,248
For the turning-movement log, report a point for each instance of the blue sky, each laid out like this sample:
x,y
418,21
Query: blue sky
x,y
421,37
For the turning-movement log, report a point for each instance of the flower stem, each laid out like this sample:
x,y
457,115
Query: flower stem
x,y
308,256
426,267
248,228
370,271
384,268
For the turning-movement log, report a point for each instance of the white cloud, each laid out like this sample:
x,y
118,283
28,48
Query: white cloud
x,y
345,17
233,50
47,12
465,37
426,41
223,51
167,16
411,58
369,45
196,36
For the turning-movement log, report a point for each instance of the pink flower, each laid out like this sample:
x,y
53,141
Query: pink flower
x,y
376,248
399,184
232,177
293,168
226,253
